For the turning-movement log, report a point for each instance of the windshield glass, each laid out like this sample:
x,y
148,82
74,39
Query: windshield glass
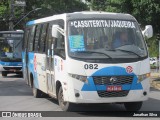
x,y
11,46
105,39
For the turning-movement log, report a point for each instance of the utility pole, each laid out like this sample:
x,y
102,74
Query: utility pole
x,y
36,9
24,11
91,5
13,4
158,57
11,15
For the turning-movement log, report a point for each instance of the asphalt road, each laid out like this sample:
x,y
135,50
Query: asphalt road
x,y
15,95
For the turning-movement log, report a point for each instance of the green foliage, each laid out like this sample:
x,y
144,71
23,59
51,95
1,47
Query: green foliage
x,y
4,10
153,46
146,12
49,7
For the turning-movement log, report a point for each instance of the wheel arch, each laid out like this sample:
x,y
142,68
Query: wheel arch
x,y
58,85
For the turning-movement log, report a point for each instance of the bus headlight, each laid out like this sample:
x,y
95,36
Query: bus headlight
x,y
142,77
79,77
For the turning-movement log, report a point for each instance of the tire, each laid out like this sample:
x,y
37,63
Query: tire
x,y
65,106
36,92
20,74
44,95
4,74
133,106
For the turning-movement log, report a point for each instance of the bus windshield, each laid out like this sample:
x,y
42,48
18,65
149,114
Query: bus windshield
x,y
11,46
105,39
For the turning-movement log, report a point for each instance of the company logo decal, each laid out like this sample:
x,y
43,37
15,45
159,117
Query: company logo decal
x,y
129,69
113,80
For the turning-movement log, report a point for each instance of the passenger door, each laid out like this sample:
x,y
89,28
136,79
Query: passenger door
x,y
25,56
50,64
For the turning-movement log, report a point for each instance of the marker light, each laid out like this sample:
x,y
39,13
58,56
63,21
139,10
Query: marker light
x,y
143,77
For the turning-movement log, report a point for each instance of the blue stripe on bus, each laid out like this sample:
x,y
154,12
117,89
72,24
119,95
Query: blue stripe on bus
x,y
111,71
10,63
31,69
30,23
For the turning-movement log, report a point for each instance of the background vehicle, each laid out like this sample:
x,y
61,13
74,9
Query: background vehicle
x,y
10,53
153,61
79,58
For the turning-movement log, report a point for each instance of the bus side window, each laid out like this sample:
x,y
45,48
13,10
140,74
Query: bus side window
x,y
25,39
48,41
48,50
43,38
37,36
31,38
60,46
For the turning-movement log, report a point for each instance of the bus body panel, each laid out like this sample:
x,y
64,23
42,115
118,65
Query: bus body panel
x,y
32,75
24,67
60,68
39,62
36,68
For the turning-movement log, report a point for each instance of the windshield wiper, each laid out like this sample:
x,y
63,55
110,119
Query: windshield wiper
x,y
95,52
129,52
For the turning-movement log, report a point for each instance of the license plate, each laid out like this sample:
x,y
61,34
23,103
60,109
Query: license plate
x,y
114,88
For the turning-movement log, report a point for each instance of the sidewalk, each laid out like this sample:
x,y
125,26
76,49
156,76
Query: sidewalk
x,y
155,75
155,80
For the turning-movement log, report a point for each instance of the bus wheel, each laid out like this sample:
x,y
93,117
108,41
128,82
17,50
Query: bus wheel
x,y
36,93
65,106
4,74
133,106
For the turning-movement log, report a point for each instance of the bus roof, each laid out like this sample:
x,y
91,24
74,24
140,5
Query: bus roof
x,y
100,14
84,15
5,35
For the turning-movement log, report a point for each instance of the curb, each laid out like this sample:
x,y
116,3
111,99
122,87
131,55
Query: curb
x,y
155,75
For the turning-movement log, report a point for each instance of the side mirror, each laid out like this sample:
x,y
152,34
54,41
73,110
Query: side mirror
x,y
55,32
148,32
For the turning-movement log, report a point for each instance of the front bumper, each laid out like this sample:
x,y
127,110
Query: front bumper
x,y
11,68
93,97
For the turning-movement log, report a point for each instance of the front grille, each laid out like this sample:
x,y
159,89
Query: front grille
x,y
12,68
122,93
106,80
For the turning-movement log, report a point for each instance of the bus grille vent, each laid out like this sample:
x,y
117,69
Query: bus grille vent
x,y
106,80
11,68
113,93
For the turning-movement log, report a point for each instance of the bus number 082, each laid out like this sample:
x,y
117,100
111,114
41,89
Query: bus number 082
x,y
91,66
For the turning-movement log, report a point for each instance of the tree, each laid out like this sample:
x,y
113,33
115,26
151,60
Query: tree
x,y
49,7
146,12
4,10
